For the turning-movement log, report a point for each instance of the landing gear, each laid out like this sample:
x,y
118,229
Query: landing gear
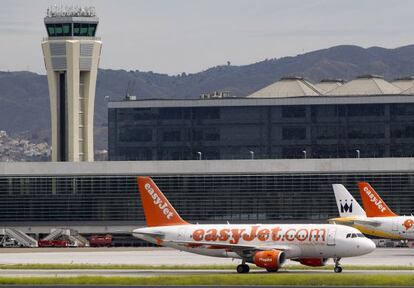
x,y
338,268
243,268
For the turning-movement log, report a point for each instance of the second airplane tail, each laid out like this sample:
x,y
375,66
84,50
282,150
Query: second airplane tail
x,y
373,204
157,209
347,205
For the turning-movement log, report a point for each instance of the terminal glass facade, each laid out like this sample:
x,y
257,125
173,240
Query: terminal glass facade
x,y
239,198
262,132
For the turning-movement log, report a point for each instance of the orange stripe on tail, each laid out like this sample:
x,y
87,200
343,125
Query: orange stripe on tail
x,y
374,206
157,209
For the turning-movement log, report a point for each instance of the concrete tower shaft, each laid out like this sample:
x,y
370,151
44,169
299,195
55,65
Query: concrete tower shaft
x,y
71,53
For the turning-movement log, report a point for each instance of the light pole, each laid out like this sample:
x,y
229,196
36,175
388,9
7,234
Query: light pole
x,y
199,155
252,154
358,153
304,153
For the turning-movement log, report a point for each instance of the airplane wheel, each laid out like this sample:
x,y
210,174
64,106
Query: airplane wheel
x,y
272,270
338,269
243,268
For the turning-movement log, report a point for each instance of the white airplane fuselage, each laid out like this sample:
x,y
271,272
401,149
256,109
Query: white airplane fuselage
x,y
395,227
297,240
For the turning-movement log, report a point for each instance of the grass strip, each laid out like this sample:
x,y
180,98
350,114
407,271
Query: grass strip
x,y
186,267
219,280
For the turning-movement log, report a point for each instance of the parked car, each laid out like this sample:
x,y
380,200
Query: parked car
x,y
100,240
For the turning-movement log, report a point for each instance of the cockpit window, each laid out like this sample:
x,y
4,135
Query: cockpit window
x,y
348,235
360,235
354,235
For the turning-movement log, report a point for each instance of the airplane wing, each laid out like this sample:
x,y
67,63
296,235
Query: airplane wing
x,y
355,221
242,250
367,222
151,234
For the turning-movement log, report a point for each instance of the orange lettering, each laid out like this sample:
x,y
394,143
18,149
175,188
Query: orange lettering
x,y
247,237
275,234
211,235
224,234
316,233
198,235
236,233
289,236
302,237
263,234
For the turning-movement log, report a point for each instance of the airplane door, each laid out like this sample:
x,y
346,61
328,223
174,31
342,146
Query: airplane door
x,y
395,226
331,236
181,234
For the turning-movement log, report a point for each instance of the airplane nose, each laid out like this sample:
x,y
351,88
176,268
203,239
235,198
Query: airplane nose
x,y
369,246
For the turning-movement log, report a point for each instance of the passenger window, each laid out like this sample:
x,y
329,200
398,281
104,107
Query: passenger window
x,y
354,235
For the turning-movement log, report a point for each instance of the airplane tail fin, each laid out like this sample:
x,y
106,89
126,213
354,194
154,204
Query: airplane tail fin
x,y
347,205
157,209
372,202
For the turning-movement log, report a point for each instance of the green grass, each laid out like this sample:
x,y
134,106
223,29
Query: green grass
x,y
217,280
186,267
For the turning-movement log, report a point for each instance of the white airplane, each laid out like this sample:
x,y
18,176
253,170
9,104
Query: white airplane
x,y
377,219
267,246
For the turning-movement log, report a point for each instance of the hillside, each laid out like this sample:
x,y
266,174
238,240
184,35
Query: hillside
x,y
24,102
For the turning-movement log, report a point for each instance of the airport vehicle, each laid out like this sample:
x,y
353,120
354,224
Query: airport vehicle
x,y
267,246
100,240
375,219
53,243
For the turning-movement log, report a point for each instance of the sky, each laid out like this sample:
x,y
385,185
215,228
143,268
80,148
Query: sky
x,y
175,36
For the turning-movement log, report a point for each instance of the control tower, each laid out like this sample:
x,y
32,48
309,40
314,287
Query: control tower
x,y
71,54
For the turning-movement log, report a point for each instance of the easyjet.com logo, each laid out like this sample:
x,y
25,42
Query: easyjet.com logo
x,y
374,199
158,202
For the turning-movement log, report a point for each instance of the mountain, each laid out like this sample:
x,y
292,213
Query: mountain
x,y
24,102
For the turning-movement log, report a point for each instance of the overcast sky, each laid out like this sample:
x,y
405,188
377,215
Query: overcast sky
x,y
174,36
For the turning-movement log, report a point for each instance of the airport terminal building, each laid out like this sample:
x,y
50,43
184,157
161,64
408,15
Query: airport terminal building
x,y
292,118
229,159
102,197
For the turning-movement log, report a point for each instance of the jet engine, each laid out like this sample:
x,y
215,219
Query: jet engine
x,y
313,262
271,260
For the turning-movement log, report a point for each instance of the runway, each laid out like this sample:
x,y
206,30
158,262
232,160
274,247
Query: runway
x,y
155,272
165,256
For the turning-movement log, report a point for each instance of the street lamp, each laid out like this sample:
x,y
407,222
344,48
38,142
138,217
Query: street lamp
x,y
252,154
358,153
199,155
304,153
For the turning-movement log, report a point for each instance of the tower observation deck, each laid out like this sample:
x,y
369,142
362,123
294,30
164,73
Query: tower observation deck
x,y
71,53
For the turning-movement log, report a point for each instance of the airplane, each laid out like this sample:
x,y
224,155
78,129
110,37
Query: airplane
x,y
266,246
375,219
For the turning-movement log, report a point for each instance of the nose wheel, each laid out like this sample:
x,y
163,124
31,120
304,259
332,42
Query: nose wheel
x,y
243,268
338,268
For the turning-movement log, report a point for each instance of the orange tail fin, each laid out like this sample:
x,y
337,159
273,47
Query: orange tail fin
x,y
158,211
374,206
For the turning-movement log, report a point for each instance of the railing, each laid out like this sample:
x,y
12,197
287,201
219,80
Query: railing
x,y
73,236
72,38
21,237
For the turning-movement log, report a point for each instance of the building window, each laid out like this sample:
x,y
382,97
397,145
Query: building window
x,y
366,131
294,133
402,131
207,113
171,136
365,110
293,112
133,134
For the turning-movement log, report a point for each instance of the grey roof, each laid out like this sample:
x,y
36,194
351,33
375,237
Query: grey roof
x,y
328,85
287,87
404,83
366,85
204,167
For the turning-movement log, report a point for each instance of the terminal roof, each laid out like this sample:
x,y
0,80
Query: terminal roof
x,y
287,87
